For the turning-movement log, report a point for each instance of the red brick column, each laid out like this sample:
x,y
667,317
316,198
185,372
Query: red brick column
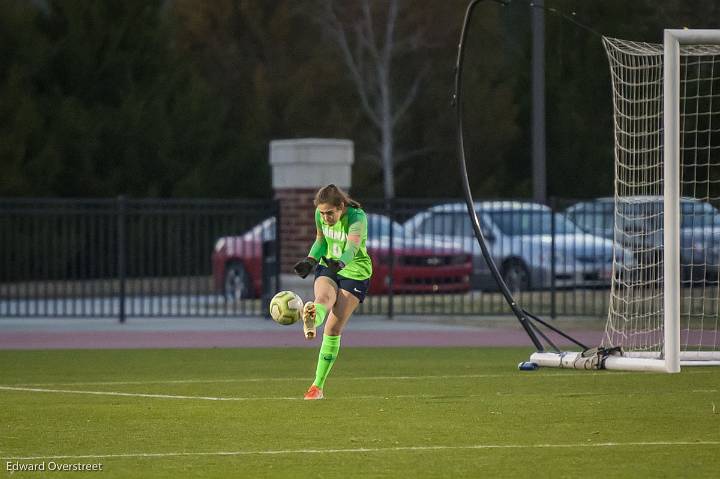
x,y
297,224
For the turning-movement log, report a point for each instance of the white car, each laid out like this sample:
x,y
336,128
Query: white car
x,y
533,247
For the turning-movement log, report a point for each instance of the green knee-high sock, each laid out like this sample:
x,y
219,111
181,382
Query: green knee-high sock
x,y
320,313
328,354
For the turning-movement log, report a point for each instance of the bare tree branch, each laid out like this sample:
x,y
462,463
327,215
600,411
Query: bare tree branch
x,y
369,61
409,155
370,31
411,95
390,32
337,30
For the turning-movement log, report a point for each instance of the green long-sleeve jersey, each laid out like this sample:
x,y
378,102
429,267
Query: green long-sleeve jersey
x,y
354,220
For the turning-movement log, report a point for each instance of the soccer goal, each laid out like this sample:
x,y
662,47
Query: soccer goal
x,y
664,308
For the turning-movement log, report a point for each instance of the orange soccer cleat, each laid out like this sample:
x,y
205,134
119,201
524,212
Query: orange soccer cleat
x,y
313,393
308,317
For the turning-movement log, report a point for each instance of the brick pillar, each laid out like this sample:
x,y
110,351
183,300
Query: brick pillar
x,y
299,168
297,224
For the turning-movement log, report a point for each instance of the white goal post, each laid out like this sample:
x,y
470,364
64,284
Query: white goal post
x,y
664,307
671,123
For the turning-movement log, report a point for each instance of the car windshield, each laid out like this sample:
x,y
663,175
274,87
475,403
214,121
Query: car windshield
x,y
693,213
523,223
447,224
512,223
696,214
592,217
591,220
380,226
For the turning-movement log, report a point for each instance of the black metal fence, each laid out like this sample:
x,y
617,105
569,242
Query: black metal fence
x,y
553,267
119,257
151,257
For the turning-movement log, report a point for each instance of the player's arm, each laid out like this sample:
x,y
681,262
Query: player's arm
x,y
352,245
318,249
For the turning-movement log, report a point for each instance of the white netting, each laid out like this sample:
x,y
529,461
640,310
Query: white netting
x,y
635,318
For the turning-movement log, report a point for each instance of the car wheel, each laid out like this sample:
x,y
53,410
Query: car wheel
x,y
516,275
237,282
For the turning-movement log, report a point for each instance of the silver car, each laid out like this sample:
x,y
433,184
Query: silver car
x,y
533,247
639,226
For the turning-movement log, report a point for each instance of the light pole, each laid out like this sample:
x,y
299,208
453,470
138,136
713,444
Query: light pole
x,y
538,102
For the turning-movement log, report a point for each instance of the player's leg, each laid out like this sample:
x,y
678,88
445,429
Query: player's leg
x,y
314,312
345,305
347,301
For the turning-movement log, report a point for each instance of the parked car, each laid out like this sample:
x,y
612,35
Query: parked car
x,y
237,261
418,267
639,227
520,239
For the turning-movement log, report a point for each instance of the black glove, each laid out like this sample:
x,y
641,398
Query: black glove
x,y
305,266
334,265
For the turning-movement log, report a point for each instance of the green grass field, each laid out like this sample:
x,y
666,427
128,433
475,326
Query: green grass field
x,y
389,412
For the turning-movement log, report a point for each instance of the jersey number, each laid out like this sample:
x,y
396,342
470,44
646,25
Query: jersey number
x,y
336,250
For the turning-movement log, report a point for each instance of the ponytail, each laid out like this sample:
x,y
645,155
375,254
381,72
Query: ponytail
x,y
335,196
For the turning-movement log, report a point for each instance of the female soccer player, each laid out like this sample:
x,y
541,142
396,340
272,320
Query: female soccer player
x,y
342,274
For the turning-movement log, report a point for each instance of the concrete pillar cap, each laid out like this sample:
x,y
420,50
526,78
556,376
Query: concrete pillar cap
x,y
311,162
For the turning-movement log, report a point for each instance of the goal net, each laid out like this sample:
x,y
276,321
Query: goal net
x,y
665,303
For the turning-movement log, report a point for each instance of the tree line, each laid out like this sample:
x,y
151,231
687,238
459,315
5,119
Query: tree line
x,y
180,98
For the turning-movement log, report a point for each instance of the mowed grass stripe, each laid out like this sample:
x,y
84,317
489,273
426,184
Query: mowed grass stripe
x,y
273,379
509,374
369,449
296,398
143,395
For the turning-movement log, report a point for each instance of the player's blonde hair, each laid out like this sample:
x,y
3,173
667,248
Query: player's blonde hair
x,y
333,195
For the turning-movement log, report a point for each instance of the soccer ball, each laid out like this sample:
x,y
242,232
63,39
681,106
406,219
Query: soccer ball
x,y
286,307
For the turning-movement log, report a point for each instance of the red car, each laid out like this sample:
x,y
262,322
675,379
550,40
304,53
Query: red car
x,y
420,267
